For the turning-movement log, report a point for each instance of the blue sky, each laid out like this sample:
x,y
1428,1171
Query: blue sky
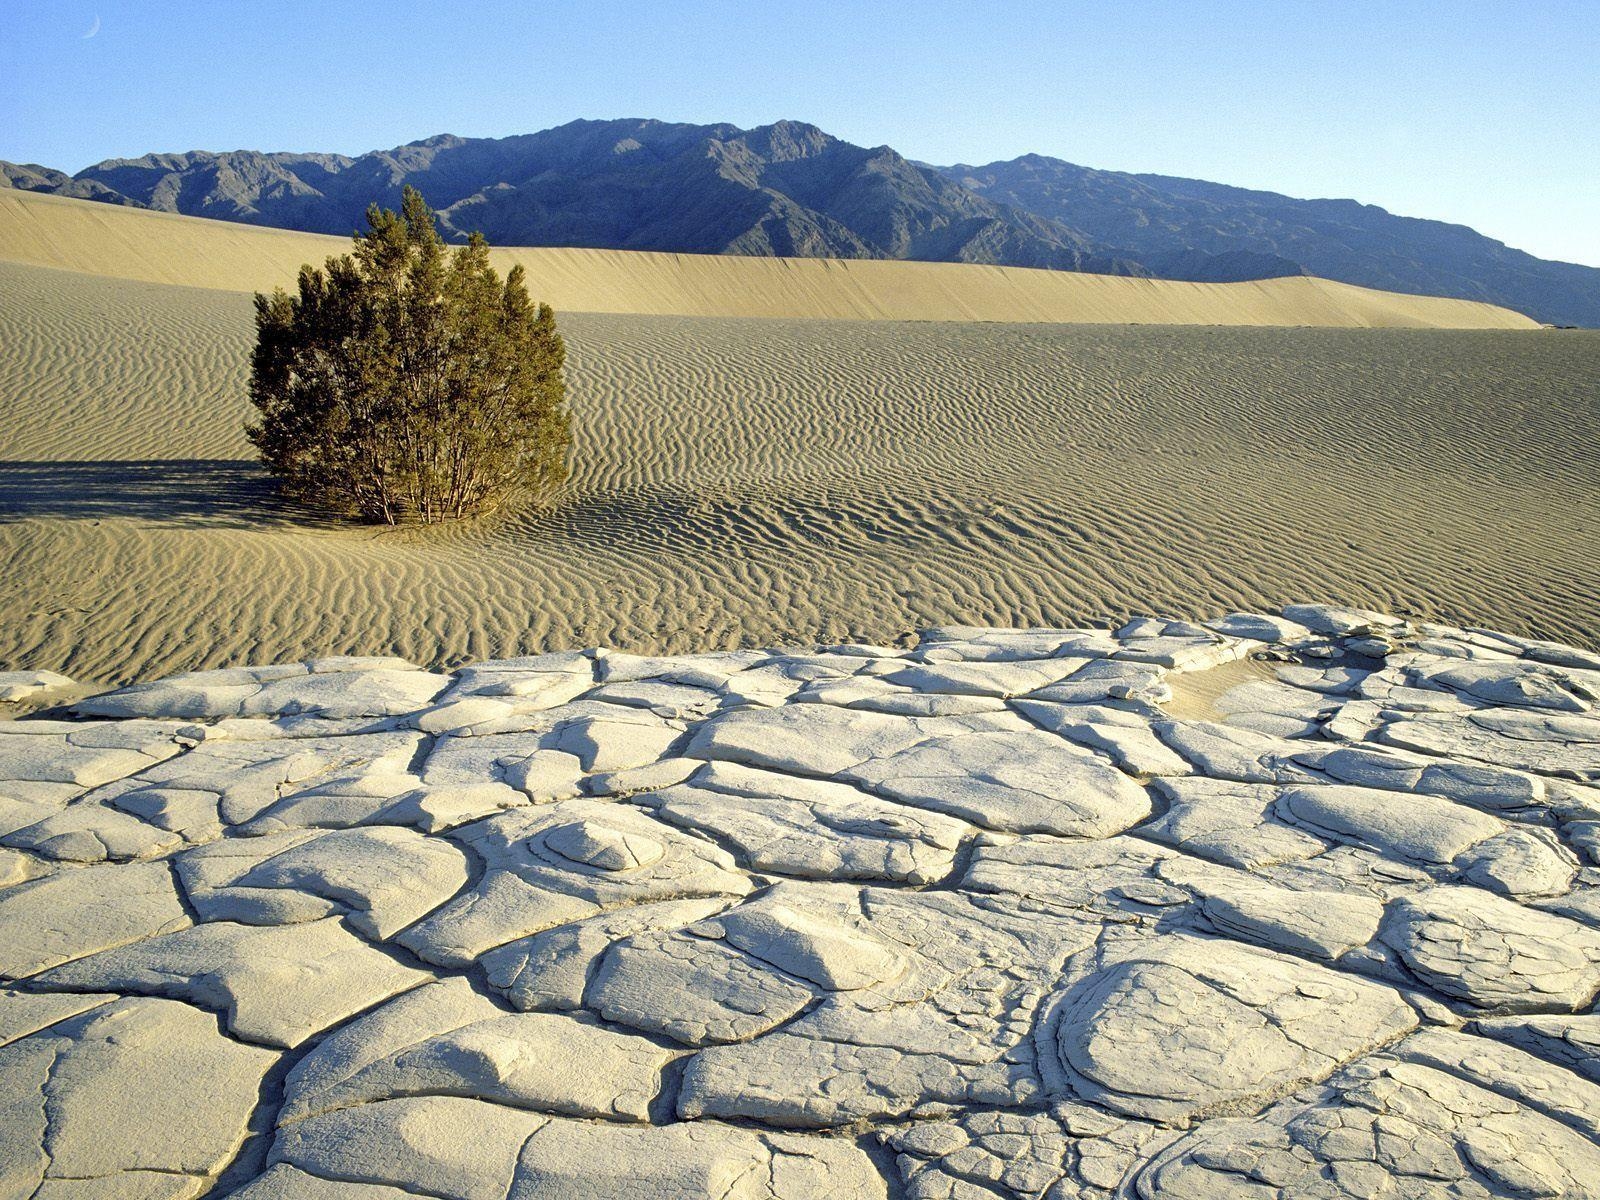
x,y
1480,111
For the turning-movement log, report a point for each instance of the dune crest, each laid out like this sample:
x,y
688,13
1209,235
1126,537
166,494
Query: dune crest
x,y
124,243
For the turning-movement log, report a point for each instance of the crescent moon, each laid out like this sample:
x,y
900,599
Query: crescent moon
x,y
93,29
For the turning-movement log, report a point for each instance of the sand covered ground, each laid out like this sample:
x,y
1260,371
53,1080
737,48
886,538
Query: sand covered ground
x,y
750,482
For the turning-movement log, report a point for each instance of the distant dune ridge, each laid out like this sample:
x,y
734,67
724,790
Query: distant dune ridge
x,y
792,190
125,243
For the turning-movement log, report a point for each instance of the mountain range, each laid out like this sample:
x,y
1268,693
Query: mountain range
x,y
791,189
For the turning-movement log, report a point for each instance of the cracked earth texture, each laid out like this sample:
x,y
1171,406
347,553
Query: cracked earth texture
x,y
1276,906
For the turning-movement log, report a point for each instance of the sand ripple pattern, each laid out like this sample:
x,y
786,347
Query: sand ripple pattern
x,y
750,482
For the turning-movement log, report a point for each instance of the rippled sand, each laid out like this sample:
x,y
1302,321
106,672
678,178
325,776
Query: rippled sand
x,y
744,482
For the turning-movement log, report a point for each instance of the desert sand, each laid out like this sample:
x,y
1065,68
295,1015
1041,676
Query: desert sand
x,y
744,482
842,924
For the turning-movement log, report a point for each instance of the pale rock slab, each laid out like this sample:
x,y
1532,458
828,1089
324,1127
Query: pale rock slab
x,y
1523,863
186,1116
1493,954
1276,699
545,776
442,1146
874,694
551,970
1571,1040
1109,681
547,1062
953,1030
536,681
191,813
1016,677
80,755
503,908
1188,1028
82,911
22,1013
1381,1127
283,1182
24,1075
384,879
329,688
1330,620
1181,647
1260,627
1123,737
806,739
779,1080
461,717
1416,828
1229,752
1541,743
690,1162
316,1083
1521,684
1557,1093
211,878
275,985
1024,782
552,864
819,948
1353,870
92,833
695,990
17,866
613,744
1311,923
1068,1151
27,685
1493,789
438,809
670,701
966,643
689,670
252,776
1089,877
651,777
810,828
1231,823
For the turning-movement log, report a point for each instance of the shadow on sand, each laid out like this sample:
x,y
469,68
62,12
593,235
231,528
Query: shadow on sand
x,y
195,493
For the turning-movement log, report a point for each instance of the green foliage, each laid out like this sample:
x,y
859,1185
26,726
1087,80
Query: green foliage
x,y
407,382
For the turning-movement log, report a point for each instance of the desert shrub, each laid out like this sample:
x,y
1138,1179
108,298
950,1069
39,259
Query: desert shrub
x,y
406,381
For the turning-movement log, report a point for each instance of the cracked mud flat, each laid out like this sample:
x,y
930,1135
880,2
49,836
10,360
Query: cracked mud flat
x,y
1299,905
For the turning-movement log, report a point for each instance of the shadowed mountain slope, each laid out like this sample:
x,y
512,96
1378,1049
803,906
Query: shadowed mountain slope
x,y
1155,216
787,189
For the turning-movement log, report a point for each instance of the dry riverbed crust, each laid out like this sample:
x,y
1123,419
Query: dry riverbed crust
x,y
1277,905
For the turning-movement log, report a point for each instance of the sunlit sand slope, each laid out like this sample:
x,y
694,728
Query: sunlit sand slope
x,y
78,235
753,482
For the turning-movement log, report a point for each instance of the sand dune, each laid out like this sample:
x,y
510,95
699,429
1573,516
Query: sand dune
x,y
79,235
742,482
